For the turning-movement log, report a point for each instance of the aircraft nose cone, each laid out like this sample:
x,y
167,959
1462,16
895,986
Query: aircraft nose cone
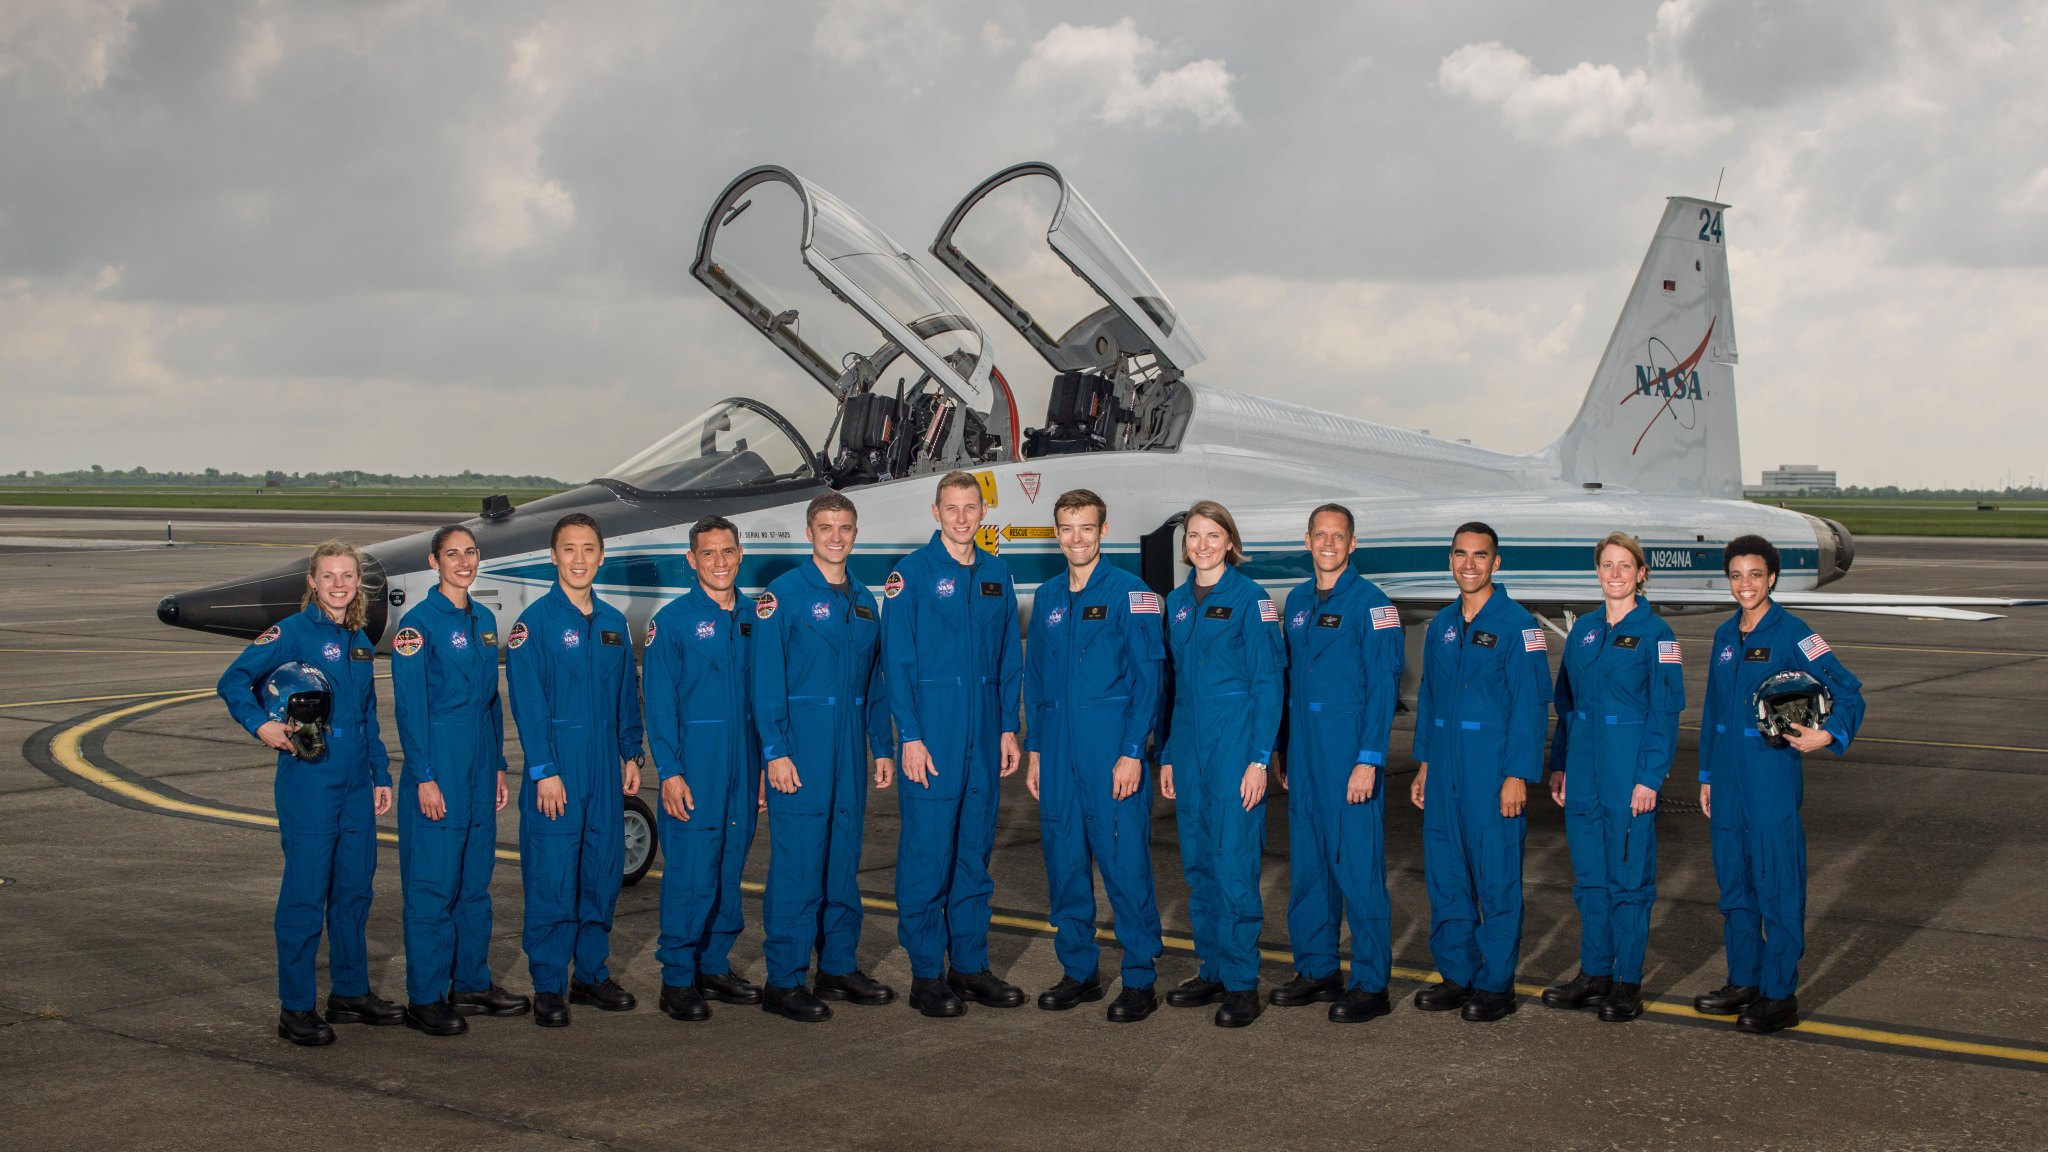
x,y
241,608
167,609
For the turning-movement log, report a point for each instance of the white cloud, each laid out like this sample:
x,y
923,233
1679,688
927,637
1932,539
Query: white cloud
x,y
902,38
1102,72
75,42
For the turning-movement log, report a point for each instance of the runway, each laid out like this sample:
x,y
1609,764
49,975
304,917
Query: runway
x,y
137,987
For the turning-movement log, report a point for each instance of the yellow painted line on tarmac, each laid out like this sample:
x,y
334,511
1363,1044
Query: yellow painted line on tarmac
x,y
67,747
207,652
89,699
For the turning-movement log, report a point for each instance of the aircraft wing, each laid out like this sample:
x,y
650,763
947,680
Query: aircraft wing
x,y
1542,595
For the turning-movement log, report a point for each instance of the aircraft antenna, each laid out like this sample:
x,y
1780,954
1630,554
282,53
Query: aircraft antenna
x,y
1717,182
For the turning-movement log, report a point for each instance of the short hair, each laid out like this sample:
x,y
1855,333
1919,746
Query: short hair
x,y
712,524
830,502
1350,522
1750,545
1211,510
956,479
1632,546
442,534
1478,528
574,520
1078,498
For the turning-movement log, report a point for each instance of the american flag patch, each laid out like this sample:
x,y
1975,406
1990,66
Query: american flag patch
x,y
1147,602
1814,647
1386,616
1533,641
1269,612
1667,652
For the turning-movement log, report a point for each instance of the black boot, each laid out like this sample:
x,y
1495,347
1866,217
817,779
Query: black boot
x,y
1302,991
304,1028
368,1008
1623,1004
1727,1000
436,1019
550,1010
1766,1016
1239,1009
729,987
983,988
684,1002
1070,992
856,987
606,994
1581,991
1357,1006
1486,1007
492,1001
1194,992
935,998
1132,1005
1442,996
794,1004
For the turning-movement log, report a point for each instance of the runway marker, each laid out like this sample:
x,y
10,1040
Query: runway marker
x,y
66,748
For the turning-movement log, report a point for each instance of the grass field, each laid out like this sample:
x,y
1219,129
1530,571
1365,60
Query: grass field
x,y
1872,517
292,499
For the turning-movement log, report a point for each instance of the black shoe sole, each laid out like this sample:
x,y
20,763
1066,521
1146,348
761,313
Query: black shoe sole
x,y
1323,997
1758,1030
1437,1006
1564,1005
740,999
501,1013
1373,1013
1114,1019
1088,996
550,1022
1619,1017
359,1018
953,1011
799,1018
1173,1001
591,1001
1489,1017
686,1017
1720,1010
1237,1021
863,1001
988,1002
443,1030
316,1041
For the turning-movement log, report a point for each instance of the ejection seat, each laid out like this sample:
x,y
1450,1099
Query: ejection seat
x,y
1081,416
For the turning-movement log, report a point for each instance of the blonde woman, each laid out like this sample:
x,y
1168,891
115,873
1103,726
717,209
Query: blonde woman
x,y
328,802
1620,688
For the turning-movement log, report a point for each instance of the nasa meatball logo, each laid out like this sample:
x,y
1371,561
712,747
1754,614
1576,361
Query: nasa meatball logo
x,y
459,641
706,629
944,587
1055,616
1180,615
571,638
764,606
1451,635
1298,619
331,651
408,641
821,611
516,637
1727,654
1590,638
892,586
269,634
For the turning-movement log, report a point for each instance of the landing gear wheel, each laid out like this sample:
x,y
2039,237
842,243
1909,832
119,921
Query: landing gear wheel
x,y
640,840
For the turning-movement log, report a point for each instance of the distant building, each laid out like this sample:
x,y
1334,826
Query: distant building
x,y
1797,480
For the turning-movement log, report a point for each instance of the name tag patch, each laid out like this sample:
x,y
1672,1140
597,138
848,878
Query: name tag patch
x,y
491,638
1485,639
362,653
991,587
1095,612
863,611
1218,612
1329,620
613,638
1627,641
1756,655
746,628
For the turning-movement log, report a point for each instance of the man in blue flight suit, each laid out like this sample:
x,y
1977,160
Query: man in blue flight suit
x,y
700,728
1481,716
1092,677
954,667
1751,792
1344,672
576,700
820,709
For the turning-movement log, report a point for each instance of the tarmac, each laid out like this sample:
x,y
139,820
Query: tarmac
x,y
137,979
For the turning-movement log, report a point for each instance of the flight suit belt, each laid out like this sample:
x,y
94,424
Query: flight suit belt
x,y
856,701
1604,719
1722,730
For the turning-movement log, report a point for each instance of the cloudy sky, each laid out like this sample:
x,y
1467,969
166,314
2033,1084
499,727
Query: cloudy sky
x,y
421,236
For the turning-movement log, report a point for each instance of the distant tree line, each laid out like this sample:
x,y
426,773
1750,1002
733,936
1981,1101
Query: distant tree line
x,y
215,478
1894,492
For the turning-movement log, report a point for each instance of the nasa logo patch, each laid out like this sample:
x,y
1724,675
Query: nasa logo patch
x,y
1180,615
821,611
892,586
1451,635
571,638
1055,616
269,634
1298,619
459,641
331,651
1590,638
1726,655
516,637
944,587
408,641
706,629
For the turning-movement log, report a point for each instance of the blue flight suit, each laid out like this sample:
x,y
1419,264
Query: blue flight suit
x,y
1344,673
1759,842
1228,670
820,698
576,701
954,666
700,726
451,727
1618,695
1092,678
1481,716
325,813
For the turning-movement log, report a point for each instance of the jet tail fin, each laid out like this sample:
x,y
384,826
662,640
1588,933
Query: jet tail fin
x,y
1660,416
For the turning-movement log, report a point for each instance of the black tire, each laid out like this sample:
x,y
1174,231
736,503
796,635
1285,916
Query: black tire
x,y
642,840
